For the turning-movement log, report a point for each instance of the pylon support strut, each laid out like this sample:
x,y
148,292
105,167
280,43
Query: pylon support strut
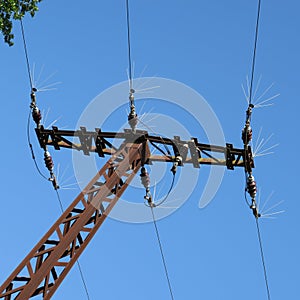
x,y
45,267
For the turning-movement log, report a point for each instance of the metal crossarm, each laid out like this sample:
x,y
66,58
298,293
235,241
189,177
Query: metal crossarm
x,y
191,151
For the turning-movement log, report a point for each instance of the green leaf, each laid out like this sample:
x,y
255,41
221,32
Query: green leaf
x,y
14,10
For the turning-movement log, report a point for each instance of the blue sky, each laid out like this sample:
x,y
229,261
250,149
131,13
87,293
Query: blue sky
x,y
212,253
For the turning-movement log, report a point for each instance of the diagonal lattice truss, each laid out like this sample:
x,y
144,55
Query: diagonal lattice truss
x,y
191,151
45,267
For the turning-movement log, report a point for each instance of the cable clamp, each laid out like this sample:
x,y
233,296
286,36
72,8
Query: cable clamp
x,y
254,209
53,180
177,161
33,98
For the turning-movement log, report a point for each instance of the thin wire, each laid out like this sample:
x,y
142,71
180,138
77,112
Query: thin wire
x,y
160,150
26,54
245,192
162,254
159,136
250,102
130,66
254,52
169,191
246,199
59,200
262,258
83,280
129,44
78,263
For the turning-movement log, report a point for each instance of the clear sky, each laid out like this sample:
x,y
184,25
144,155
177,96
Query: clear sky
x,y
211,253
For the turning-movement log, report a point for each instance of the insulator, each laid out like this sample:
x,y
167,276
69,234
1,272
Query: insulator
x,y
247,134
251,186
54,182
132,119
145,178
177,161
143,171
249,112
131,97
36,115
33,99
132,115
48,161
255,210
148,197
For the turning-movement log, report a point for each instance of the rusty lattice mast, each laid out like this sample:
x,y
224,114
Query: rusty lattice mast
x,y
45,267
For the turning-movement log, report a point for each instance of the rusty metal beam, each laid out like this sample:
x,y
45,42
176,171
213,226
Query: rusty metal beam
x,y
191,151
45,267
201,161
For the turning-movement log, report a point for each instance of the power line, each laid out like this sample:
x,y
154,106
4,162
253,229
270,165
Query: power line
x,y
253,205
162,254
168,193
83,280
26,54
129,44
59,201
254,51
262,258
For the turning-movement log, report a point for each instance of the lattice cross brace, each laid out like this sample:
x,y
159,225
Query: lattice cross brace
x,y
45,267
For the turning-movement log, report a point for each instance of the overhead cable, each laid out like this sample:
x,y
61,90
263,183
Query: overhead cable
x,y
254,52
263,258
129,44
162,255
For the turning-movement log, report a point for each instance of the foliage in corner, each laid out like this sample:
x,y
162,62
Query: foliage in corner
x,y
14,10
